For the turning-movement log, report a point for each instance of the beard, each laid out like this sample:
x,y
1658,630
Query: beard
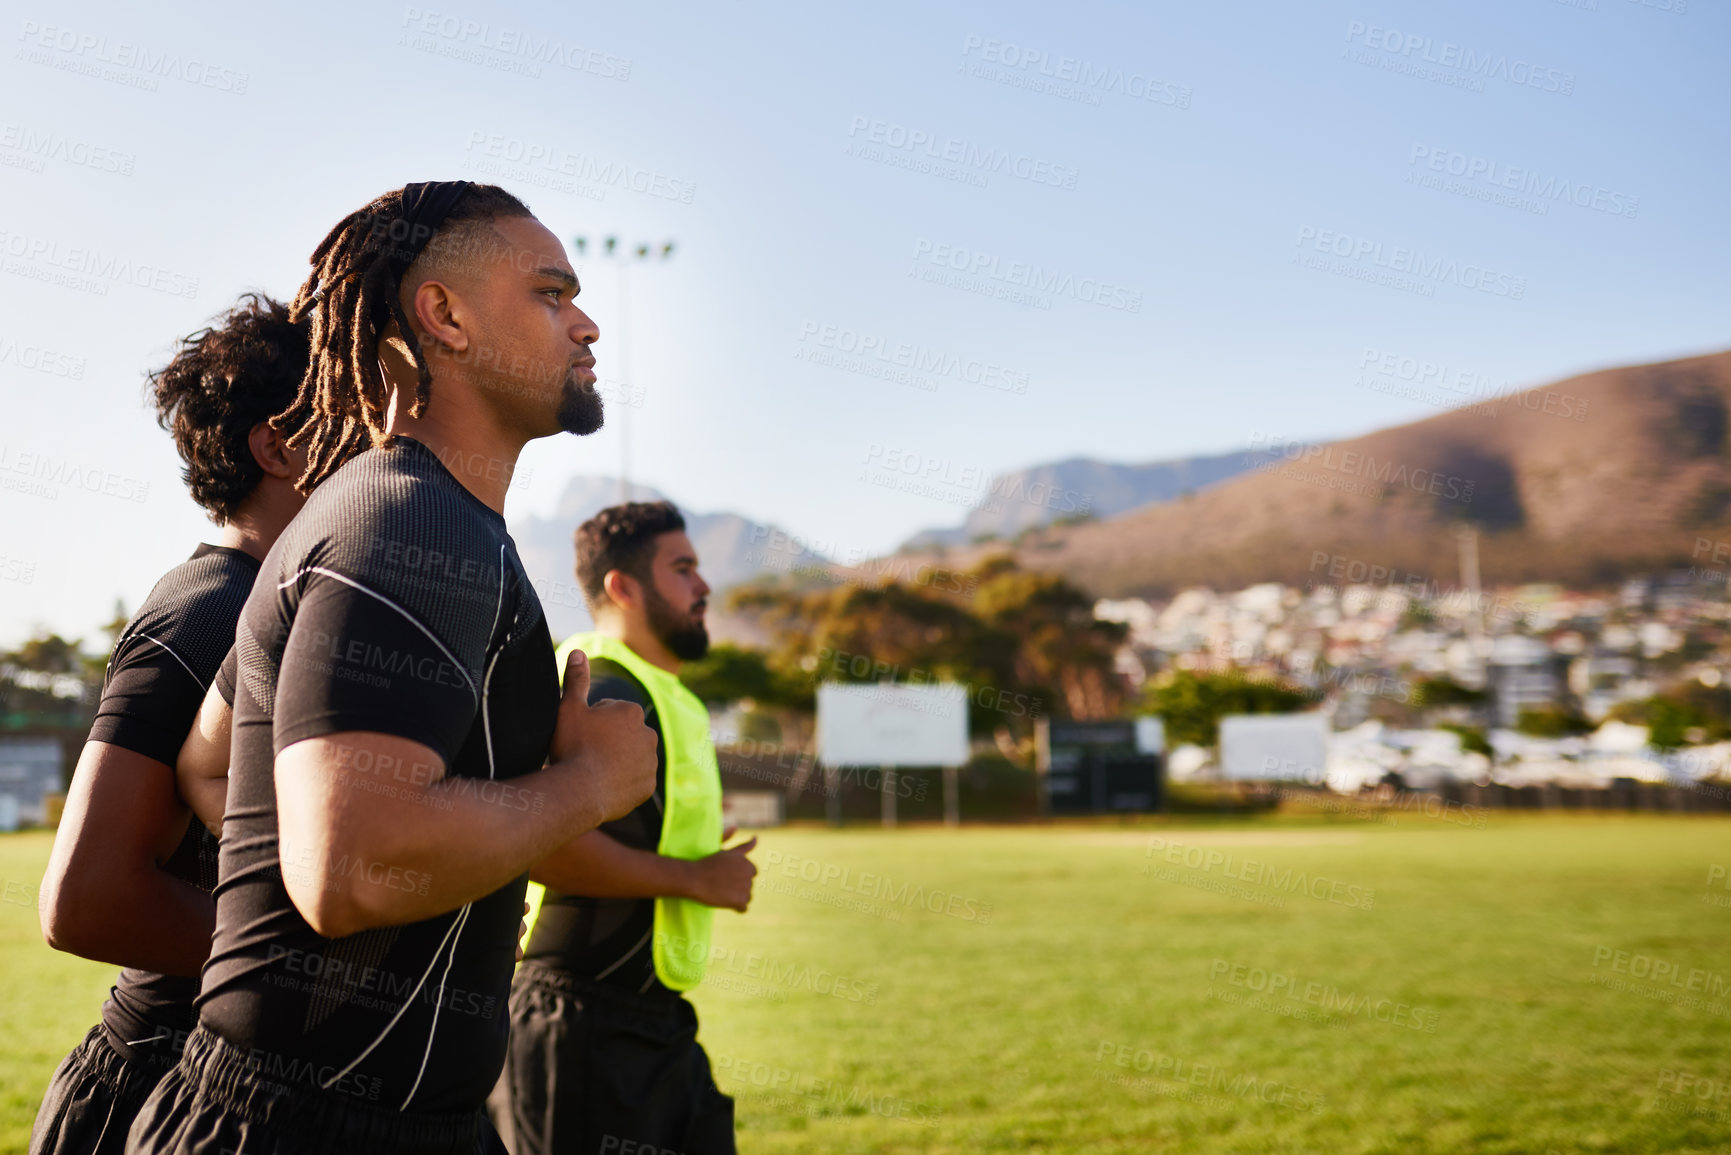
x,y
579,407
685,637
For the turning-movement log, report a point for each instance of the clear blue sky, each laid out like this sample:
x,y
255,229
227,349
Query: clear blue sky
x,y
1212,150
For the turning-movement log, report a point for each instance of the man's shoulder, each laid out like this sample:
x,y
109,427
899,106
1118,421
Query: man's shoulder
x,y
609,679
385,524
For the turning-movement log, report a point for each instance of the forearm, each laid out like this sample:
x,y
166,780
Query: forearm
x,y
402,856
599,866
146,918
207,797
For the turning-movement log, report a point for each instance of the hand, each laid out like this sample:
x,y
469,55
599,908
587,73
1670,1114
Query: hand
x,y
724,878
609,739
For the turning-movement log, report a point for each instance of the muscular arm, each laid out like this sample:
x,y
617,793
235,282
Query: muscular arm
x,y
462,837
105,895
599,866
201,771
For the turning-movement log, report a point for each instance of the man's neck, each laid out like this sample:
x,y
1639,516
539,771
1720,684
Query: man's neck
x,y
466,438
642,641
260,519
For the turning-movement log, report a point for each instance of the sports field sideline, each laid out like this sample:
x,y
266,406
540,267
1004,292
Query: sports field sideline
x,y
1538,985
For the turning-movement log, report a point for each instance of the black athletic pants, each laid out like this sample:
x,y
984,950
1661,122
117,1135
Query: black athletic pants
x,y
94,1096
215,1103
596,1071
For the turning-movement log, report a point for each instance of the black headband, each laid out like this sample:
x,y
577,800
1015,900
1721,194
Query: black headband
x,y
426,204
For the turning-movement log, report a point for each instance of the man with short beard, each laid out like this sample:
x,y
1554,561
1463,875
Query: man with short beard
x,y
604,1049
400,754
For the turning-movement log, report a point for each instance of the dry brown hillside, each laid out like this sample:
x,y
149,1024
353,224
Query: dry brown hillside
x,y
1559,493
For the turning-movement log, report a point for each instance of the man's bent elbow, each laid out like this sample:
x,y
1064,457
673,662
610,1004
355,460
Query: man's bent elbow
x,y
67,925
329,911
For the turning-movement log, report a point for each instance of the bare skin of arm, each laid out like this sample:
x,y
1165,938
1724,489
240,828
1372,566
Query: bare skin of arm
x,y
600,866
201,771
463,838
105,895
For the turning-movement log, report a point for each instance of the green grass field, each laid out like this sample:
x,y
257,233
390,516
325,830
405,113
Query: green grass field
x,y
1253,986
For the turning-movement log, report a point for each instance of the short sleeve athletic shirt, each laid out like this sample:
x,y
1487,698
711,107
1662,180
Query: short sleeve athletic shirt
x,y
394,602
608,940
157,676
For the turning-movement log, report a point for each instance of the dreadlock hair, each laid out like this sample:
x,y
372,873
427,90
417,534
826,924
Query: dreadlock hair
x,y
621,537
225,379
352,296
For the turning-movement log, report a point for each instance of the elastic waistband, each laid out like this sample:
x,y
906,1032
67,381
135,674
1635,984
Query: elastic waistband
x,y
665,1004
251,1085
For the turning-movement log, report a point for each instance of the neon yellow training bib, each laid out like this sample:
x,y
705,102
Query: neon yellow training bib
x,y
691,815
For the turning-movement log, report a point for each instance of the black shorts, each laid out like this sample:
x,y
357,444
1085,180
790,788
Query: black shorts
x,y
95,1094
215,1102
596,1071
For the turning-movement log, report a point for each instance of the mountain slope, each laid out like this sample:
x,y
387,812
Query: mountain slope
x,y
1102,488
1591,478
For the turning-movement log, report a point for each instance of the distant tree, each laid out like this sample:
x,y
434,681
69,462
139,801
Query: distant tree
x,y
1473,739
1683,715
729,673
1192,704
1027,644
1552,722
1445,691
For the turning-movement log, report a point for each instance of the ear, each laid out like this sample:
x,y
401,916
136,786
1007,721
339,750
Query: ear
x,y
621,588
270,452
438,315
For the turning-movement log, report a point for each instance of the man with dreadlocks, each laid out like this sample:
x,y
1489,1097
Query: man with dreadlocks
x,y
130,877
401,753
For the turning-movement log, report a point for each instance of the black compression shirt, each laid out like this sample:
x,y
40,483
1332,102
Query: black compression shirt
x,y
394,602
608,939
156,679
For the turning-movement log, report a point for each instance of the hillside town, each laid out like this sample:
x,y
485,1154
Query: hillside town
x,y
1430,682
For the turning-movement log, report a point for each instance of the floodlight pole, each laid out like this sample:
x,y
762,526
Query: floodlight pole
x,y
832,788
889,796
952,803
610,248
